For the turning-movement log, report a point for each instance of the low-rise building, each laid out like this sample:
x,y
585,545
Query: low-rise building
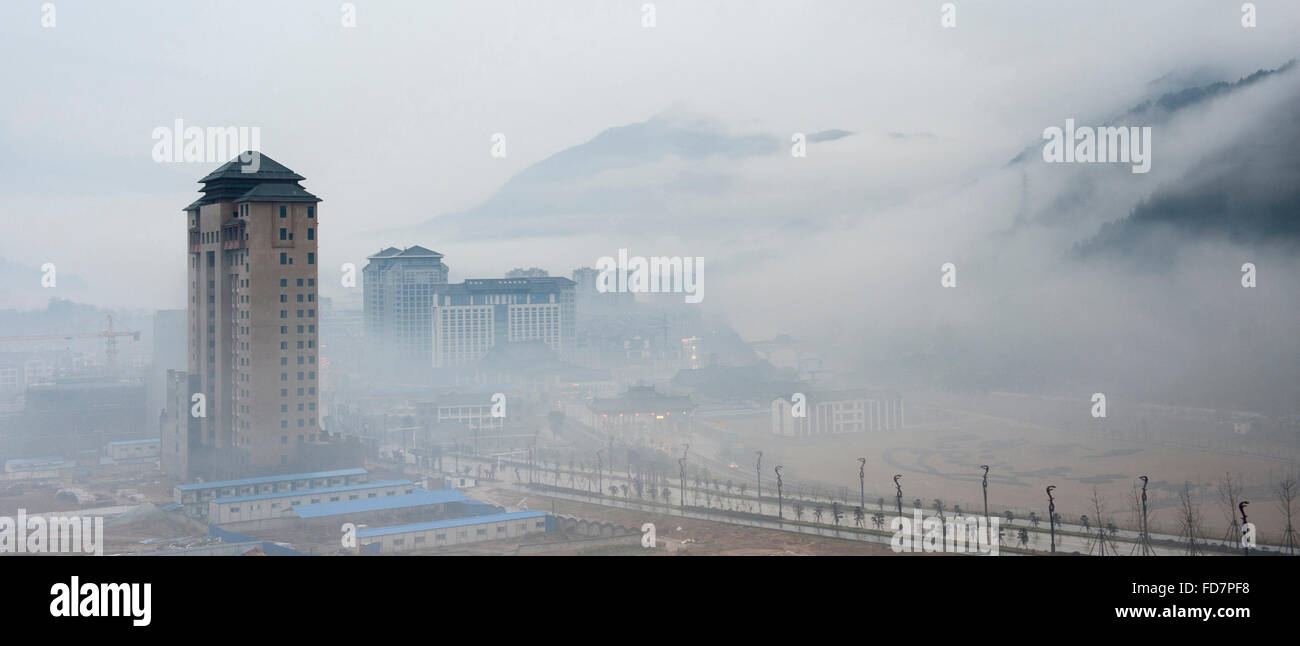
x,y
235,509
454,531
828,412
133,449
640,410
194,498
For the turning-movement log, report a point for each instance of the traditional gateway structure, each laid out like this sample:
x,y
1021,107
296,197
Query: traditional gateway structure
x,y
828,412
641,409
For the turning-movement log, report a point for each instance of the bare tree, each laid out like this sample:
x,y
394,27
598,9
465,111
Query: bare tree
x,y
1189,521
1099,544
1286,490
1229,492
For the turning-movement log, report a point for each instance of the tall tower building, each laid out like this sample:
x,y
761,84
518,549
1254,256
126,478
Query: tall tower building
x,y
253,317
398,290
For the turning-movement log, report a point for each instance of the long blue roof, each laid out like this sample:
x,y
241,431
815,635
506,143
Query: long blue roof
x,y
420,498
451,522
268,479
307,492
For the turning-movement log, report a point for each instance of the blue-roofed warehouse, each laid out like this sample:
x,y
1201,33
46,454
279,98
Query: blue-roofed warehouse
x,y
453,531
418,499
237,509
194,497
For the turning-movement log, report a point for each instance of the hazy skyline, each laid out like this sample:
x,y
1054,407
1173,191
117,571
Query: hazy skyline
x,y
392,121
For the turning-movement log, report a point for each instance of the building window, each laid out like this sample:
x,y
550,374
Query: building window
x,y
284,211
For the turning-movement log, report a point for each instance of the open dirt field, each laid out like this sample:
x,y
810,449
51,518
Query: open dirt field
x,y
940,451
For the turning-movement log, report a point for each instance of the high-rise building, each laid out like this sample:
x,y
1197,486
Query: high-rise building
x,y
594,303
253,315
398,286
472,317
169,353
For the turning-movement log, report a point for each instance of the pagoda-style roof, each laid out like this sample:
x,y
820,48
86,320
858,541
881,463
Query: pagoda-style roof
x,y
269,192
271,182
267,170
414,251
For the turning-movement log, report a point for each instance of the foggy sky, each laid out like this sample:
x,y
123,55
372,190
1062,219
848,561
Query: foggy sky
x,y
391,123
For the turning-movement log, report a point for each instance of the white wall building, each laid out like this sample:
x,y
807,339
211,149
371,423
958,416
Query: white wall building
x,y
236,509
454,531
828,412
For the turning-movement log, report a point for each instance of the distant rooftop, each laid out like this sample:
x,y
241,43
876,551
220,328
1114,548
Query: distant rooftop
x,y
268,479
844,394
451,522
420,498
267,170
270,182
545,284
414,251
307,492
642,399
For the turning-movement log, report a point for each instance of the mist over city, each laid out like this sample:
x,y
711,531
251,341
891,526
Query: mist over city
x,y
602,278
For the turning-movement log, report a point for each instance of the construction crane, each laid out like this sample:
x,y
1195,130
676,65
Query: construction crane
x,y
108,333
